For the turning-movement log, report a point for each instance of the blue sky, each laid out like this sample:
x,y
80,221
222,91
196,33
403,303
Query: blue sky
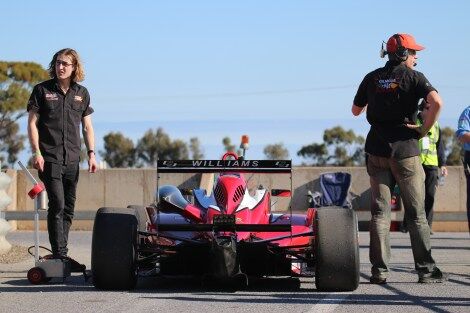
x,y
279,71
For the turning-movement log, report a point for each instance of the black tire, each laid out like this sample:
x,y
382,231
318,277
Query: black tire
x,y
113,249
141,214
336,250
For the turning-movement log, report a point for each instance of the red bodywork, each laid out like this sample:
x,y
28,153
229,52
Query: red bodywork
x,y
232,224
231,194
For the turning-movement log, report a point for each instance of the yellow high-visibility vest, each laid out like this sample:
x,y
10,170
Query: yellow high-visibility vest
x,y
428,147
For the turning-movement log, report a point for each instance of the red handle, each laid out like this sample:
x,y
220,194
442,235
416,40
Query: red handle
x,y
37,189
228,154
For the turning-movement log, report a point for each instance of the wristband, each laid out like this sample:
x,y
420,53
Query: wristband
x,y
37,153
90,151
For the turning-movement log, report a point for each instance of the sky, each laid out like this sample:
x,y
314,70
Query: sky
x,y
279,71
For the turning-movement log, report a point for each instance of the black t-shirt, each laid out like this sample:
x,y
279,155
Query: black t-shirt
x,y
391,94
59,119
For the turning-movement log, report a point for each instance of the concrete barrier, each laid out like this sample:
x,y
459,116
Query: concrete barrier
x,y
121,187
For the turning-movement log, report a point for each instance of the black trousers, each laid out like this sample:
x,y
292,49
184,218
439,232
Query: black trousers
x,y
61,185
430,185
467,175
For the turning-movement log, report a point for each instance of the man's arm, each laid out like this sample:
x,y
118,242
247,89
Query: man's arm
x,y
465,138
33,135
435,106
441,161
463,127
357,110
89,137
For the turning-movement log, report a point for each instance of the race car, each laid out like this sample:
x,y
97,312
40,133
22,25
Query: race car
x,y
226,232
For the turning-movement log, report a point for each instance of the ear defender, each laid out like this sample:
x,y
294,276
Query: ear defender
x,y
402,52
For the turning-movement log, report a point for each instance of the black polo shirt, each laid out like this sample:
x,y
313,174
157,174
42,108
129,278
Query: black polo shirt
x,y
391,94
59,119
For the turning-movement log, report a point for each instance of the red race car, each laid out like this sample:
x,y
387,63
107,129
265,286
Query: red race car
x,y
226,232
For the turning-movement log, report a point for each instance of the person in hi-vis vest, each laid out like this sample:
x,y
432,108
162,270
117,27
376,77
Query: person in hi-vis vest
x,y
433,160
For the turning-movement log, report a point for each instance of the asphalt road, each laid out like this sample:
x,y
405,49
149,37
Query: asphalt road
x,y
401,294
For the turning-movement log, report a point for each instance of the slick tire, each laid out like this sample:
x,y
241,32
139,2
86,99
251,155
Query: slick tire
x,y
113,249
141,215
336,250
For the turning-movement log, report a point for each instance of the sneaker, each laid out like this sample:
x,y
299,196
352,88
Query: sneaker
x,y
436,276
378,280
75,266
54,257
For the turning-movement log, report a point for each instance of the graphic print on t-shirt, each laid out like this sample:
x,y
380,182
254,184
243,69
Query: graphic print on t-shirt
x,y
387,85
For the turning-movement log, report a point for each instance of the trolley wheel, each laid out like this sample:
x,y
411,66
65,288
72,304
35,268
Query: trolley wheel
x,y
36,275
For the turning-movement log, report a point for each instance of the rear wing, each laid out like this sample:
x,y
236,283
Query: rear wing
x,y
228,166
220,166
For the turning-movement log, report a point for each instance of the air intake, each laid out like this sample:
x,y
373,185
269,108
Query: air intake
x,y
238,193
219,194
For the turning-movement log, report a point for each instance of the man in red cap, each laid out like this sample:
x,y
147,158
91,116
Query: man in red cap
x,y
390,95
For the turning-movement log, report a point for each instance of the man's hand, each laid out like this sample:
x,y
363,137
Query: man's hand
x,y
92,165
357,110
444,171
418,128
38,162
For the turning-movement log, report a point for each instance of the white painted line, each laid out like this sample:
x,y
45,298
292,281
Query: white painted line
x,y
329,303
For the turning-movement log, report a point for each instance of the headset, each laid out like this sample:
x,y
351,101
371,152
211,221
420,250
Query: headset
x,y
401,53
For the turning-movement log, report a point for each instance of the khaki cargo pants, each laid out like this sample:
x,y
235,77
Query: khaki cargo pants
x,y
408,173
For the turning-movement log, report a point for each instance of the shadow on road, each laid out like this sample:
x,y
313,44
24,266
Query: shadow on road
x,y
70,284
188,284
306,296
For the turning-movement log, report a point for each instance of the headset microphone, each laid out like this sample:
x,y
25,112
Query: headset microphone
x,y
383,52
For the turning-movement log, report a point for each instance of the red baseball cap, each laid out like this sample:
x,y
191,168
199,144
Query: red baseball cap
x,y
407,41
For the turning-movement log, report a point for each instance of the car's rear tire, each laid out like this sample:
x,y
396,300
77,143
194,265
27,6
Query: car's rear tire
x,y
113,249
141,215
336,250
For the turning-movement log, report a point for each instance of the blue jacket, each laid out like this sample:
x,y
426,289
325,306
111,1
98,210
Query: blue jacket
x,y
463,126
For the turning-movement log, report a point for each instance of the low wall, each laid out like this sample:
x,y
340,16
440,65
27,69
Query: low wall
x,y
121,187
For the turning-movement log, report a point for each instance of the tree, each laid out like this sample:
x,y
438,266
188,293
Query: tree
x,y
178,150
195,148
346,145
452,147
317,152
16,82
339,148
11,143
158,144
276,152
118,151
228,146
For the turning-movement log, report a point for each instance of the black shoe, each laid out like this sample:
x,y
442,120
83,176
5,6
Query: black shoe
x,y
403,228
378,280
75,266
54,257
436,276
